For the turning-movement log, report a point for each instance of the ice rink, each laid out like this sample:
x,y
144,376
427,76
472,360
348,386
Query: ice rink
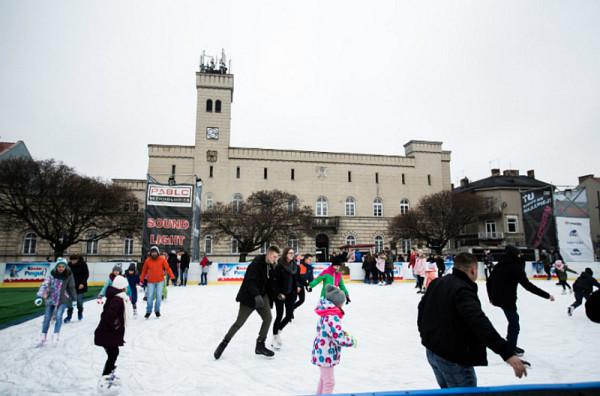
x,y
173,354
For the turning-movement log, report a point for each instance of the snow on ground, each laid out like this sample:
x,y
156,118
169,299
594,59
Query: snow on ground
x,y
173,354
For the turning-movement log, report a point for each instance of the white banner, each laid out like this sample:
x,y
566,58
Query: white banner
x,y
162,195
574,239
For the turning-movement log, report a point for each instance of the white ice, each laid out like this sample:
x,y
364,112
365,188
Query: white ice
x,y
173,354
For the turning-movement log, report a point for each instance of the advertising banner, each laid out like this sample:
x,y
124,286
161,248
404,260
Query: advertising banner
x,y
574,239
398,270
26,272
231,271
537,270
168,217
538,218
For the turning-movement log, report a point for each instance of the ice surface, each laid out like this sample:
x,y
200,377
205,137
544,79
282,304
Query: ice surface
x,y
173,354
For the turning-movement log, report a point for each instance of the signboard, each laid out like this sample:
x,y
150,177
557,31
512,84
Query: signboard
x,y
538,218
537,270
574,239
168,217
26,272
231,271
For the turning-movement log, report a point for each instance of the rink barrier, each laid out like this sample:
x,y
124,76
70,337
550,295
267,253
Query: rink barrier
x,y
574,389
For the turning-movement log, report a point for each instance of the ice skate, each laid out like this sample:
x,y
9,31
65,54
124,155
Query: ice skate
x,y
261,349
55,339
564,292
277,342
220,349
570,310
147,315
109,384
42,342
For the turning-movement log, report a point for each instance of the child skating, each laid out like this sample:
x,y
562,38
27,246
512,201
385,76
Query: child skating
x,y
561,270
133,279
331,276
330,338
116,271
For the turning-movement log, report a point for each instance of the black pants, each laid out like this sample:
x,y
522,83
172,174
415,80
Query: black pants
x,y
548,271
375,275
113,353
579,296
420,280
243,315
280,320
389,276
564,284
203,278
512,332
301,298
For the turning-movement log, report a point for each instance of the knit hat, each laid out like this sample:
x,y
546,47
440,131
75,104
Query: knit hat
x,y
155,248
335,295
132,267
61,260
117,267
120,282
589,271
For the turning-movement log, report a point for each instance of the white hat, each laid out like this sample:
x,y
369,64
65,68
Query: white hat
x,y
120,282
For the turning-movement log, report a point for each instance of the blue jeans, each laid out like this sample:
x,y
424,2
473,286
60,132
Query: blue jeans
x,y
60,310
203,278
513,326
79,306
449,374
154,289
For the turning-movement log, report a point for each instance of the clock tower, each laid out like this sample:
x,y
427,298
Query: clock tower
x,y
214,87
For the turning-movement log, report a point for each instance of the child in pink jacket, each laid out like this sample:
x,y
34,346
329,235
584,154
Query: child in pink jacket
x,y
330,337
430,272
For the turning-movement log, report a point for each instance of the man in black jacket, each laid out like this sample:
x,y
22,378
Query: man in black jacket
x,y
256,293
502,290
456,332
81,274
583,287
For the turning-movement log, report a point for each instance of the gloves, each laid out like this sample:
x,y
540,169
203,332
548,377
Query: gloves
x,y
38,301
347,299
259,302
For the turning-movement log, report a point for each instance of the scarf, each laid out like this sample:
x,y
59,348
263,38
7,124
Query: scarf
x,y
331,311
123,295
290,267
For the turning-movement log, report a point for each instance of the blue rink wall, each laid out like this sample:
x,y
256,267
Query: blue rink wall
x,y
578,389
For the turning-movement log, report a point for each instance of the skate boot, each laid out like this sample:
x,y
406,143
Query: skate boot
x,y
570,310
564,292
79,315
55,339
147,315
220,349
135,313
67,319
261,349
157,314
277,342
43,340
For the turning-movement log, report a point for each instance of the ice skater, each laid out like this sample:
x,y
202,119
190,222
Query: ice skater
x,y
58,291
81,274
133,279
561,270
331,276
110,332
154,270
431,269
419,270
331,337
583,288
287,287
116,271
307,275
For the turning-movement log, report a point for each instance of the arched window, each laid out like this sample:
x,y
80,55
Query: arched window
x,y
322,207
378,244
91,244
350,240
237,202
208,242
404,206
218,106
377,207
29,243
235,247
293,243
209,105
128,248
350,206
209,200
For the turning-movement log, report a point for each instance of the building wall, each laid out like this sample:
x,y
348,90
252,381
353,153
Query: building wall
x,y
592,187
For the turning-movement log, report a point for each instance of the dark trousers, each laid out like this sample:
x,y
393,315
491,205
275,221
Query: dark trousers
x,y
112,353
280,320
374,275
449,374
564,284
548,271
420,280
176,276
389,276
243,315
579,296
79,306
512,333
301,298
203,278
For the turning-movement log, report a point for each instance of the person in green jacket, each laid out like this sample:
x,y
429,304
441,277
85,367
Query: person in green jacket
x,y
331,276
561,271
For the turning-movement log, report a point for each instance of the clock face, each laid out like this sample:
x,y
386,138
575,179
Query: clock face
x,y
212,133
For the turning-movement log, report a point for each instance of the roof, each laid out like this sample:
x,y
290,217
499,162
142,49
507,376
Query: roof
x,y
14,150
507,182
4,146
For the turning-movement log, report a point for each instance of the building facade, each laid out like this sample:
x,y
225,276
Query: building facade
x,y
592,189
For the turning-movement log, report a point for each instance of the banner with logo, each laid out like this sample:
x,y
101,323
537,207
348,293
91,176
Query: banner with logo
x,y
574,239
168,217
231,271
538,218
26,272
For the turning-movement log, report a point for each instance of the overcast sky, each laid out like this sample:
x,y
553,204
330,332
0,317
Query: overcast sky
x,y
501,83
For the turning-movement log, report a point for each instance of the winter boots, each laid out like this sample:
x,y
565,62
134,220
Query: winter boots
x,y
570,310
261,349
220,349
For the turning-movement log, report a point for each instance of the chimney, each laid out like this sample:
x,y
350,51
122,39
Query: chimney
x,y
495,172
585,177
464,182
511,172
531,173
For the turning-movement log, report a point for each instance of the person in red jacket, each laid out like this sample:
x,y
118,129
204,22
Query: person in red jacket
x,y
153,271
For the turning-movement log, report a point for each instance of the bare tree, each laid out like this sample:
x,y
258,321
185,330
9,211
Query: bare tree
x,y
265,217
61,206
438,218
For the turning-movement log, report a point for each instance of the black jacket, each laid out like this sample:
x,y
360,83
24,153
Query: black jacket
x,y
592,307
258,281
585,283
172,260
286,282
185,261
452,324
81,274
506,276
111,329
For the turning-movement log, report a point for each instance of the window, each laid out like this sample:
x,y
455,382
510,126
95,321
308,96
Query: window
x,y
349,177
237,202
29,243
403,178
322,207
378,244
292,205
218,106
512,224
173,168
91,245
264,247
265,174
350,206
210,171
377,207
292,174
172,177
490,227
209,106
209,200
128,250
429,180
237,172
293,242
235,248
406,245
404,206
208,244
376,177
350,240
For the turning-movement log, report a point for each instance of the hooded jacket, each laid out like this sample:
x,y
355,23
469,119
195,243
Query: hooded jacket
x,y
585,283
329,277
506,276
58,288
111,329
331,337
